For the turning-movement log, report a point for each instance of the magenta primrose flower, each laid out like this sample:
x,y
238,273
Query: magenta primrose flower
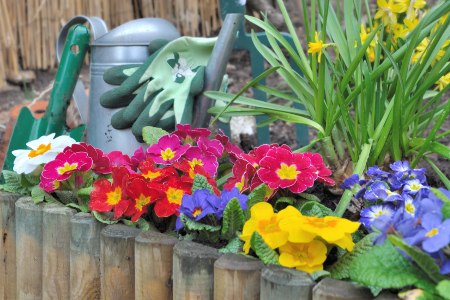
x,y
213,147
62,167
283,169
196,157
168,149
190,135
100,161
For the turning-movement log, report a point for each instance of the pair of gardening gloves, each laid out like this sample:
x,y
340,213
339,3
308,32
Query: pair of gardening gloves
x,y
160,92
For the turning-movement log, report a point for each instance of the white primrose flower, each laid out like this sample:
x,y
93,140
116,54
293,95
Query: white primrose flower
x,y
43,150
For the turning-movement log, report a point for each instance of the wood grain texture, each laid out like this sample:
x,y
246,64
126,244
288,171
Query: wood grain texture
x,y
278,282
153,265
193,271
237,277
332,289
56,251
85,257
28,249
8,245
117,262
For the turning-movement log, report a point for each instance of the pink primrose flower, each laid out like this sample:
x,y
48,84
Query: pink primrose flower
x,y
233,151
283,169
138,156
101,163
190,135
118,159
213,147
196,157
168,149
243,172
65,164
49,185
322,171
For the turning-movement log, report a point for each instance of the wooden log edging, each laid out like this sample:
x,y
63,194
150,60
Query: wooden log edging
x,y
135,264
8,245
85,257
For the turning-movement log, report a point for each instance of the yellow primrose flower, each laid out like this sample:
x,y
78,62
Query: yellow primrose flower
x,y
317,46
264,221
307,257
387,12
443,81
333,230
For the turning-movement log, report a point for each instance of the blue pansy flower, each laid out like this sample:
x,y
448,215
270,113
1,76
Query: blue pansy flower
x,y
196,206
413,186
435,233
225,197
369,214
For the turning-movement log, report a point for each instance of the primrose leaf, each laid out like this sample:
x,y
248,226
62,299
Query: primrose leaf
x,y
233,219
310,197
37,195
201,183
105,218
423,260
66,197
197,226
257,195
151,135
32,179
82,208
233,246
314,209
446,210
443,289
13,183
266,254
341,269
383,266
283,202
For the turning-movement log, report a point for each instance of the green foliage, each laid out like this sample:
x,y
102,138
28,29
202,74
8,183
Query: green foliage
x,y
262,250
446,207
310,197
82,208
38,195
16,183
257,195
105,218
201,183
319,275
282,202
197,226
314,209
422,259
233,219
233,246
443,289
66,197
446,210
140,223
151,135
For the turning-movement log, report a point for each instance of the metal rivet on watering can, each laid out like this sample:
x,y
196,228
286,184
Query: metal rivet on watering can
x,y
125,44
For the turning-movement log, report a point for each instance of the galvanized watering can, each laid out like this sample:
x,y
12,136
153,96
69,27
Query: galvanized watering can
x,y
125,44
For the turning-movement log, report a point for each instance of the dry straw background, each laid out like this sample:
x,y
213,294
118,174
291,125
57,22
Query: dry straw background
x,y
29,28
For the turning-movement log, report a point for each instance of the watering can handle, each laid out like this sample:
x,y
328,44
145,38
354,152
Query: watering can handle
x,y
98,29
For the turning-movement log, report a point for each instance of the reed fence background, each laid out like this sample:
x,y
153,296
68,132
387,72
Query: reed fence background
x,y
29,28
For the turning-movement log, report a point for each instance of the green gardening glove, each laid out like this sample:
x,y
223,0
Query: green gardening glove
x,y
160,92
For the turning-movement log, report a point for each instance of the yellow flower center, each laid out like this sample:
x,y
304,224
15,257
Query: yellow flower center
x,y
240,184
378,213
268,226
174,195
415,187
287,172
151,175
167,154
195,162
141,202
41,149
409,207
66,168
432,232
113,197
197,211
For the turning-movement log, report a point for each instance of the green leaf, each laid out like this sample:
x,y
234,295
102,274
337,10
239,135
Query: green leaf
x,y
233,246
438,193
37,195
282,202
233,219
201,183
151,135
375,290
32,179
13,183
197,226
266,254
257,195
319,274
310,197
341,269
82,208
443,289
446,210
105,218
422,259
315,209
66,197
383,266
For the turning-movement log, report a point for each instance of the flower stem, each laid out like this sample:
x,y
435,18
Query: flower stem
x,y
359,169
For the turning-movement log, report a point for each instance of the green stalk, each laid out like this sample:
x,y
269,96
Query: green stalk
x,y
330,152
359,169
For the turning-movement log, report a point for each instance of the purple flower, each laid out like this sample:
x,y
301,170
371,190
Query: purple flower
x,y
400,166
413,186
396,223
376,172
196,206
445,266
349,182
409,206
369,214
225,197
435,233
380,190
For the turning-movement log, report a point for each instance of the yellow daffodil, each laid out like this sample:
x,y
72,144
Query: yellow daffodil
x,y
411,23
317,46
420,50
443,82
409,6
264,221
333,230
307,257
387,12
400,31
